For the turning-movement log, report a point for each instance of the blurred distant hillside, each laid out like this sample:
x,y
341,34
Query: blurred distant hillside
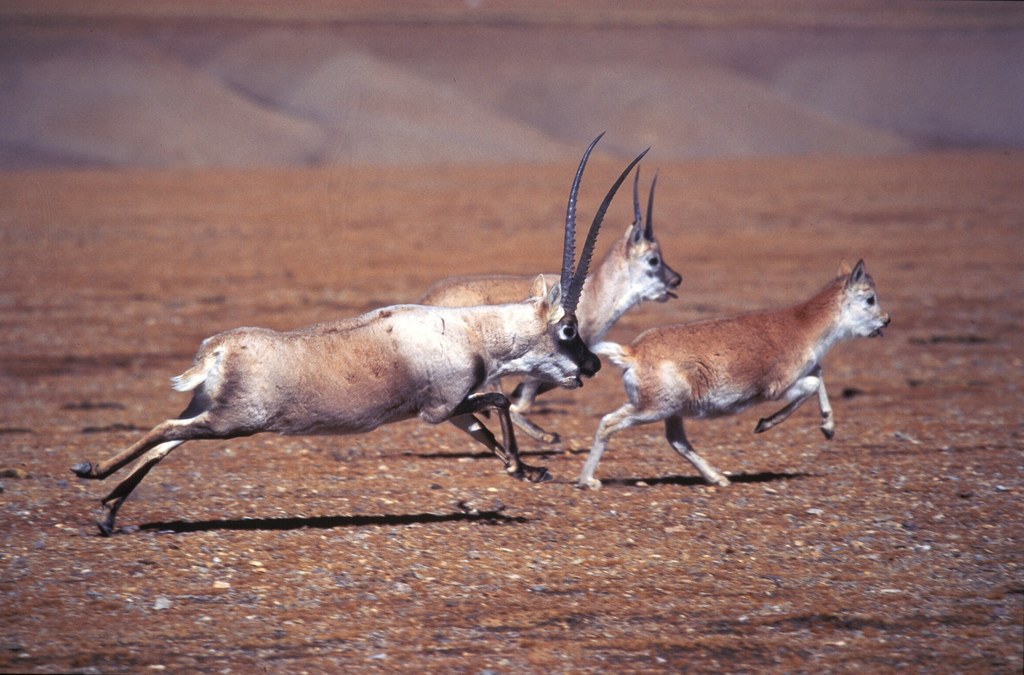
x,y
245,85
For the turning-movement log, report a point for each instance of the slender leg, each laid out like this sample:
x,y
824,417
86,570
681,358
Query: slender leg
x,y
189,425
508,451
801,390
525,394
113,501
528,391
612,423
532,430
828,422
676,436
152,447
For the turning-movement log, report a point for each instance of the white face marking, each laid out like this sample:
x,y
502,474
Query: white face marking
x,y
861,314
647,272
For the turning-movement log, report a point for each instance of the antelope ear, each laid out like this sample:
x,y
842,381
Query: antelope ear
x,y
857,275
844,268
551,306
634,234
539,288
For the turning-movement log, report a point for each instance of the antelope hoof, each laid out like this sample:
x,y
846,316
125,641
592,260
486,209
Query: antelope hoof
x,y
551,438
828,431
720,481
107,524
84,470
762,425
534,474
588,483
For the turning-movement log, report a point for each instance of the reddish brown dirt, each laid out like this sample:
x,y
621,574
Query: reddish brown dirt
x,y
896,545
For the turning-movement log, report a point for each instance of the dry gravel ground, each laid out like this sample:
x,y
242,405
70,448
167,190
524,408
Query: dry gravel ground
x,y
896,545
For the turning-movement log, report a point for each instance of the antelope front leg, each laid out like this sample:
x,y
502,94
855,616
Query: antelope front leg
x,y
828,422
532,430
612,423
525,394
801,390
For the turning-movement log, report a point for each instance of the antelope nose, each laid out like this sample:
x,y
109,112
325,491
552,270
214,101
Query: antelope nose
x,y
591,366
886,321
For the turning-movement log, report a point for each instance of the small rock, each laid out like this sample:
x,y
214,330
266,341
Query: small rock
x,y
815,512
15,472
221,584
162,603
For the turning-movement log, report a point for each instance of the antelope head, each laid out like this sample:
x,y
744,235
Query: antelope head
x,y
561,300
647,268
860,314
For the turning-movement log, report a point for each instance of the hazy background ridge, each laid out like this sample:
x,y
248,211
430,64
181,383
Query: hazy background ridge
x,y
447,83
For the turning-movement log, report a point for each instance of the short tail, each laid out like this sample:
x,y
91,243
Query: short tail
x,y
198,373
618,354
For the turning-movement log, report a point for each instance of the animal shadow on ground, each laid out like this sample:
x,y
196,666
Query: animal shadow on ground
x,y
493,517
760,477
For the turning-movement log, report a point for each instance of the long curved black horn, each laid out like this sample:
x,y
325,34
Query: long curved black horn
x,y
572,297
636,198
649,227
569,247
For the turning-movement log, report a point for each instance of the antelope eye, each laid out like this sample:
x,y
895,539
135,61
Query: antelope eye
x,y
568,332
653,261
871,301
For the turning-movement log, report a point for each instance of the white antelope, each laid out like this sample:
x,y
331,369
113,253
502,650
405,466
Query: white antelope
x,y
632,271
387,365
722,366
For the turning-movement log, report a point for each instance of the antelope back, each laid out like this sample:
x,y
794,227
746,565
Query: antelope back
x,y
494,289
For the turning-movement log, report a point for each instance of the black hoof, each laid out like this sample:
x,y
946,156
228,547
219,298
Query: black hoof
x,y
536,474
106,529
83,470
762,425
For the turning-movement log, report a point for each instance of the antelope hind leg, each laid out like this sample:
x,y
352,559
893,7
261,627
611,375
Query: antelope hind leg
x,y
508,451
187,426
113,501
676,436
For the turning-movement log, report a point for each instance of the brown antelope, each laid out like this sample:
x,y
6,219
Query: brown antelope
x,y
387,365
722,366
632,271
